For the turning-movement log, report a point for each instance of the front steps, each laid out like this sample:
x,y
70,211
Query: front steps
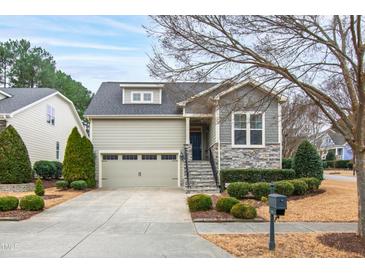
x,y
201,178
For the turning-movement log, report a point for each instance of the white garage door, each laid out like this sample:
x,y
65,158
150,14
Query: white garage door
x,y
129,170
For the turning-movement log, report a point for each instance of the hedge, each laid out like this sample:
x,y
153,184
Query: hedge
x,y
62,185
287,163
15,166
238,189
254,175
260,190
345,164
78,185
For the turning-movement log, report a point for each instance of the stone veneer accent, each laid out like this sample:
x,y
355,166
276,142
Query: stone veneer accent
x,y
267,157
17,187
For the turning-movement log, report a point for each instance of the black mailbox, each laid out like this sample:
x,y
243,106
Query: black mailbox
x,y
277,204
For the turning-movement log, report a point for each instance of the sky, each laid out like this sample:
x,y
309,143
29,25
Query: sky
x,y
92,49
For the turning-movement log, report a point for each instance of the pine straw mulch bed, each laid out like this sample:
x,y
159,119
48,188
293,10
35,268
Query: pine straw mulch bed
x,y
335,201
292,245
214,215
52,197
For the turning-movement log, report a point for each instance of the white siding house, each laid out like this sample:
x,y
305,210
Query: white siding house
x,y
44,122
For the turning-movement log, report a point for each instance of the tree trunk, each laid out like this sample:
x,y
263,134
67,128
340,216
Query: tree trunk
x,y
360,174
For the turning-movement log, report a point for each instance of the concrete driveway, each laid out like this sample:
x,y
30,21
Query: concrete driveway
x,y
130,222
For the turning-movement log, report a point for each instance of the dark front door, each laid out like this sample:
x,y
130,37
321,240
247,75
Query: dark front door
x,y
196,142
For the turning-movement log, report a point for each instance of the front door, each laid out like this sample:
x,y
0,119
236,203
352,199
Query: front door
x,y
196,142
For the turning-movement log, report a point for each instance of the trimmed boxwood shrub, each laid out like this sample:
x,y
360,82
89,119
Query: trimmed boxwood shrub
x,y
300,186
79,185
307,162
226,203
284,188
244,211
32,203
8,203
286,163
238,189
62,185
15,166
45,169
260,190
39,188
312,183
200,202
254,175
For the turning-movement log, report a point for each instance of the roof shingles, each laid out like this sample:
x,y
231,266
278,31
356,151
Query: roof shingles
x,y
108,99
22,97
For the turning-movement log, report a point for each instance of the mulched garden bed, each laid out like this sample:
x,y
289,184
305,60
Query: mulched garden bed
x,y
216,216
48,183
292,245
16,215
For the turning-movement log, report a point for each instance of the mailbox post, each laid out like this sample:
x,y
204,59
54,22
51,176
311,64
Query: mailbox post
x,y
277,206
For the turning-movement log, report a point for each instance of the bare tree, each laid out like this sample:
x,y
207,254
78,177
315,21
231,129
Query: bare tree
x,y
301,120
285,52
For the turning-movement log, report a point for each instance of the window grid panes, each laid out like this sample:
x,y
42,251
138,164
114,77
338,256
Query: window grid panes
x,y
248,122
136,97
129,157
50,115
168,157
110,157
147,97
149,157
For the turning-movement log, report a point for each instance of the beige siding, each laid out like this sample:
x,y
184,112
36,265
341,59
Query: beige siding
x,y
142,135
41,137
128,95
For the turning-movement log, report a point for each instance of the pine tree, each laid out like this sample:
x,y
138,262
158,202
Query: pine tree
x,y
307,162
15,166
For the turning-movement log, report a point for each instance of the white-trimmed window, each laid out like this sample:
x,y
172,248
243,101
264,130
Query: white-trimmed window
x,y
51,119
130,157
149,157
248,129
110,157
142,97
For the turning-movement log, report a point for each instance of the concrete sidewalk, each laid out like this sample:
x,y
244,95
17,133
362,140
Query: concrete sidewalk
x,y
254,228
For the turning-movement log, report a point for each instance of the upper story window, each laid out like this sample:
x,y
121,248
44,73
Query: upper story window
x,y
248,129
51,119
145,97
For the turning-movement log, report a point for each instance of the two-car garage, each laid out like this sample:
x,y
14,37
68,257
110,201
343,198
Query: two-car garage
x,y
139,169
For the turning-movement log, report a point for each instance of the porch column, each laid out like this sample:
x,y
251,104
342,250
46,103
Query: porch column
x,y
187,130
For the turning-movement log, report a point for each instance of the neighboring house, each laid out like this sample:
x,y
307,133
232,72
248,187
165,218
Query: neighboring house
x,y
43,118
331,140
182,134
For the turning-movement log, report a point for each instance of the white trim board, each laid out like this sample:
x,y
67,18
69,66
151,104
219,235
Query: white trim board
x,y
5,94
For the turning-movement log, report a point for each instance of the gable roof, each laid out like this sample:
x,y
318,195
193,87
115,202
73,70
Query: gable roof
x,y
109,97
22,97
336,137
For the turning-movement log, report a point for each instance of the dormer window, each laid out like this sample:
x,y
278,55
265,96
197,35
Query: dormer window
x,y
142,97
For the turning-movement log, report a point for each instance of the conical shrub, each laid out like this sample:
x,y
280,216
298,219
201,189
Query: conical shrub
x,y
89,162
307,162
15,166
72,163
